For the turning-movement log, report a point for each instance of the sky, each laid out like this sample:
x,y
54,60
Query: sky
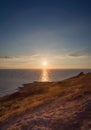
x,y
55,31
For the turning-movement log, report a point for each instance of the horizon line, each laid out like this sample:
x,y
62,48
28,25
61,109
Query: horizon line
x,y
38,68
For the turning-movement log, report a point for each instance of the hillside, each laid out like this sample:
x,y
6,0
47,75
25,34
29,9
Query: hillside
x,y
63,105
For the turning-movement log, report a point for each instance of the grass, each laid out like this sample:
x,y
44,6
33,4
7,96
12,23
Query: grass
x,y
36,94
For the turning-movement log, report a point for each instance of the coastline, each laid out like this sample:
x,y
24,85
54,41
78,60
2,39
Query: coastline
x,y
62,105
11,79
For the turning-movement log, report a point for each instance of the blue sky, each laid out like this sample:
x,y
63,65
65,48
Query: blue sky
x,y
58,31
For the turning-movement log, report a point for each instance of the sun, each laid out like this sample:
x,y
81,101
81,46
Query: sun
x,y
44,63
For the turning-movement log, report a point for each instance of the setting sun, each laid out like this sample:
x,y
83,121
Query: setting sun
x,y
44,63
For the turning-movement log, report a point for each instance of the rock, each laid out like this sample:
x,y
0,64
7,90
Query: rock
x,y
81,74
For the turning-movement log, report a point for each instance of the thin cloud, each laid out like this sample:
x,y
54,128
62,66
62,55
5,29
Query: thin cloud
x,y
76,55
79,54
18,57
6,57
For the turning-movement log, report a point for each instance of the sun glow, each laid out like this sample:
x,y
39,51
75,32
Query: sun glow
x,y
44,63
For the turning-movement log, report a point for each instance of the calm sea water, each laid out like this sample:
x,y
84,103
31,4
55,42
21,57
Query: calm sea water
x,y
10,80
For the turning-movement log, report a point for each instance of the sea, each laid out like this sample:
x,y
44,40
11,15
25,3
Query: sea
x,y
11,79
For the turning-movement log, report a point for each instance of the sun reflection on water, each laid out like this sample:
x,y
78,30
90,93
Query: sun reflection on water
x,y
44,76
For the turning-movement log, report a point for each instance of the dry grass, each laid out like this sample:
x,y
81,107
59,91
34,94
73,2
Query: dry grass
x,y
36,94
